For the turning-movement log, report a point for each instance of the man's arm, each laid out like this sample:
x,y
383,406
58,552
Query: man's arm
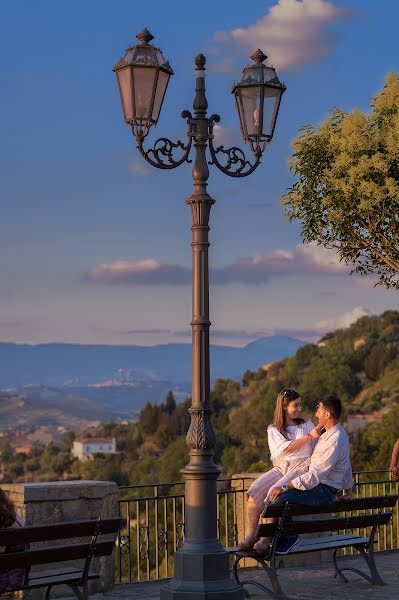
x,y
347,484
318,470
394,461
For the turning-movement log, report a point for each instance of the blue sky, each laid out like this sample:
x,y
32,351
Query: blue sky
x,y
76,195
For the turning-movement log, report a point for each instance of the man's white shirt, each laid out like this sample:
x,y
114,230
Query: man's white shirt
x,y
329,464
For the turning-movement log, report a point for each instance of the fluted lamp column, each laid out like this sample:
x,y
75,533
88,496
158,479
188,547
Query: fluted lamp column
x,y
201,564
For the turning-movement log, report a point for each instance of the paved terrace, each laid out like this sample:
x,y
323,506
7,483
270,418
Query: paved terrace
x,y
318,583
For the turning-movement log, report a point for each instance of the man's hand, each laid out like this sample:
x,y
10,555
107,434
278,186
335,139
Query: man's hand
x,y
394,470
275,492
347,495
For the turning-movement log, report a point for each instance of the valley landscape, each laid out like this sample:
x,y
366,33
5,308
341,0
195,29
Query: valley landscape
x,y
359,363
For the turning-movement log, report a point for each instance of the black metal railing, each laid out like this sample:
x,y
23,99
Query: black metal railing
x,y
153,517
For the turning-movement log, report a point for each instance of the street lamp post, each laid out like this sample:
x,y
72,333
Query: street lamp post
x,y
201,564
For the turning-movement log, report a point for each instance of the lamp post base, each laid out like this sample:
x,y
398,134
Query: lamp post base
x,y
202,575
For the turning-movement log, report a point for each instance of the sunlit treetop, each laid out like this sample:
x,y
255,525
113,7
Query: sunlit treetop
x,y
347,190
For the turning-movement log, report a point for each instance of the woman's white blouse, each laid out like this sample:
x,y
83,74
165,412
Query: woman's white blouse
x,y
278,443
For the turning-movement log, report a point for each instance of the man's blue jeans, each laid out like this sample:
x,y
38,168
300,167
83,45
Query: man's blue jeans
x,y
321,495
318,496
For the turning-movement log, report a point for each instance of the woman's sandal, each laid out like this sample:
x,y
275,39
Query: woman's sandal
x,y
247,543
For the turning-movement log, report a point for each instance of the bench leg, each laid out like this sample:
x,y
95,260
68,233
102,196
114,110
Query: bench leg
x,y
81,595
276,593
374,577
370,560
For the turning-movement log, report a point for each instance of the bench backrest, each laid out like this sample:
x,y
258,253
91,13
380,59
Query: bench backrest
x,y
330,524
61,531
370,503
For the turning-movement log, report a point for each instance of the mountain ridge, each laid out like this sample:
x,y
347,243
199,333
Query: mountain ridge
x,y
84,364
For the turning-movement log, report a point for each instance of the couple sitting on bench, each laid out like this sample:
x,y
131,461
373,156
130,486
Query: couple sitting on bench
x,y
311,465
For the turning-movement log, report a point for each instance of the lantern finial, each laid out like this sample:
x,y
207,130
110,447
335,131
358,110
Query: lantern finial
x,y
258,56
144,36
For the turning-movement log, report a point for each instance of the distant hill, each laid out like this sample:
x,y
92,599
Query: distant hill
x,y
115,382
75,364
20,412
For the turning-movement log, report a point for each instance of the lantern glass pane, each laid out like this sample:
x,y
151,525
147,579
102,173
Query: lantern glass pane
x,y
144,55
143,85
270,107
251,105
159,56
125,86
160,93
268,73
240,113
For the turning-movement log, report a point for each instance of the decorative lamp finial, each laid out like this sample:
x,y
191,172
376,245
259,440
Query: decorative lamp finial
x,y
258,56
144,36
200,61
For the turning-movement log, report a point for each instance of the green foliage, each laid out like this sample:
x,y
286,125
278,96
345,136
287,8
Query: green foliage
x,y
347,189
379,357
372,446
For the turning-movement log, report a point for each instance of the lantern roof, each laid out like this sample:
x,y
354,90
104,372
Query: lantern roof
x,y
143,54
258,73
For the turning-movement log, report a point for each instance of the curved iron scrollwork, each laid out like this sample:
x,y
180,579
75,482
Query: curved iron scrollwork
x,y
143,542
232,533
179,534
161,154
162,540
124,544
235,163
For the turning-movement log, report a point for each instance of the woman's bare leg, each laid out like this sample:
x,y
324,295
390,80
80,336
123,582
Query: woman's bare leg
x,y
264,542
253,512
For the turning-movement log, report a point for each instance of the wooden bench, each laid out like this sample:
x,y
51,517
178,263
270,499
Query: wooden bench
x,y
76,578
379,513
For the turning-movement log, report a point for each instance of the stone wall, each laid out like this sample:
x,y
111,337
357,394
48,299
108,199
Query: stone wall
x,y
62,501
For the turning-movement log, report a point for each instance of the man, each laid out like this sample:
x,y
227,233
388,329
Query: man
x,y
329,470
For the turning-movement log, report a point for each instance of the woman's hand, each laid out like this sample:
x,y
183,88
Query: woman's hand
x,y
316,432
394,470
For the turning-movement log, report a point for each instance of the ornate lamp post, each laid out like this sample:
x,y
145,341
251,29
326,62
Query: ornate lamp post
x,y
201,564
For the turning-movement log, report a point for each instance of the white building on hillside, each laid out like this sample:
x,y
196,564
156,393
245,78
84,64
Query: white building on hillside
x,y
86,447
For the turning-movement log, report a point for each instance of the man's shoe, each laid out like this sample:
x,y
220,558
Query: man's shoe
x,y
286,544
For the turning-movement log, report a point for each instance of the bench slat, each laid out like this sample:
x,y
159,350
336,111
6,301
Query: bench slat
x,y
335,523
373,502
53,554
56,578
319,525
59,531
328,543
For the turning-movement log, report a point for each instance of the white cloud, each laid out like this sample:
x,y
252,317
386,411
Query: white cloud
x,y
139,272
343,321
293,33
317,255
250,270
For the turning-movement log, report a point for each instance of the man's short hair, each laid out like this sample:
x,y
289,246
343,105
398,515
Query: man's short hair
x,y
333,405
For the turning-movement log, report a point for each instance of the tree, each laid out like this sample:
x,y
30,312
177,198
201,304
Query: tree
x,y
170,403
347,191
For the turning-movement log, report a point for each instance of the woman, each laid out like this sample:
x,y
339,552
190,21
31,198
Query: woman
x,y
291,443
10,578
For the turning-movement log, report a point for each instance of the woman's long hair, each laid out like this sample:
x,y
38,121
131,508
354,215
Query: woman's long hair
x,y
8,513
280,419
